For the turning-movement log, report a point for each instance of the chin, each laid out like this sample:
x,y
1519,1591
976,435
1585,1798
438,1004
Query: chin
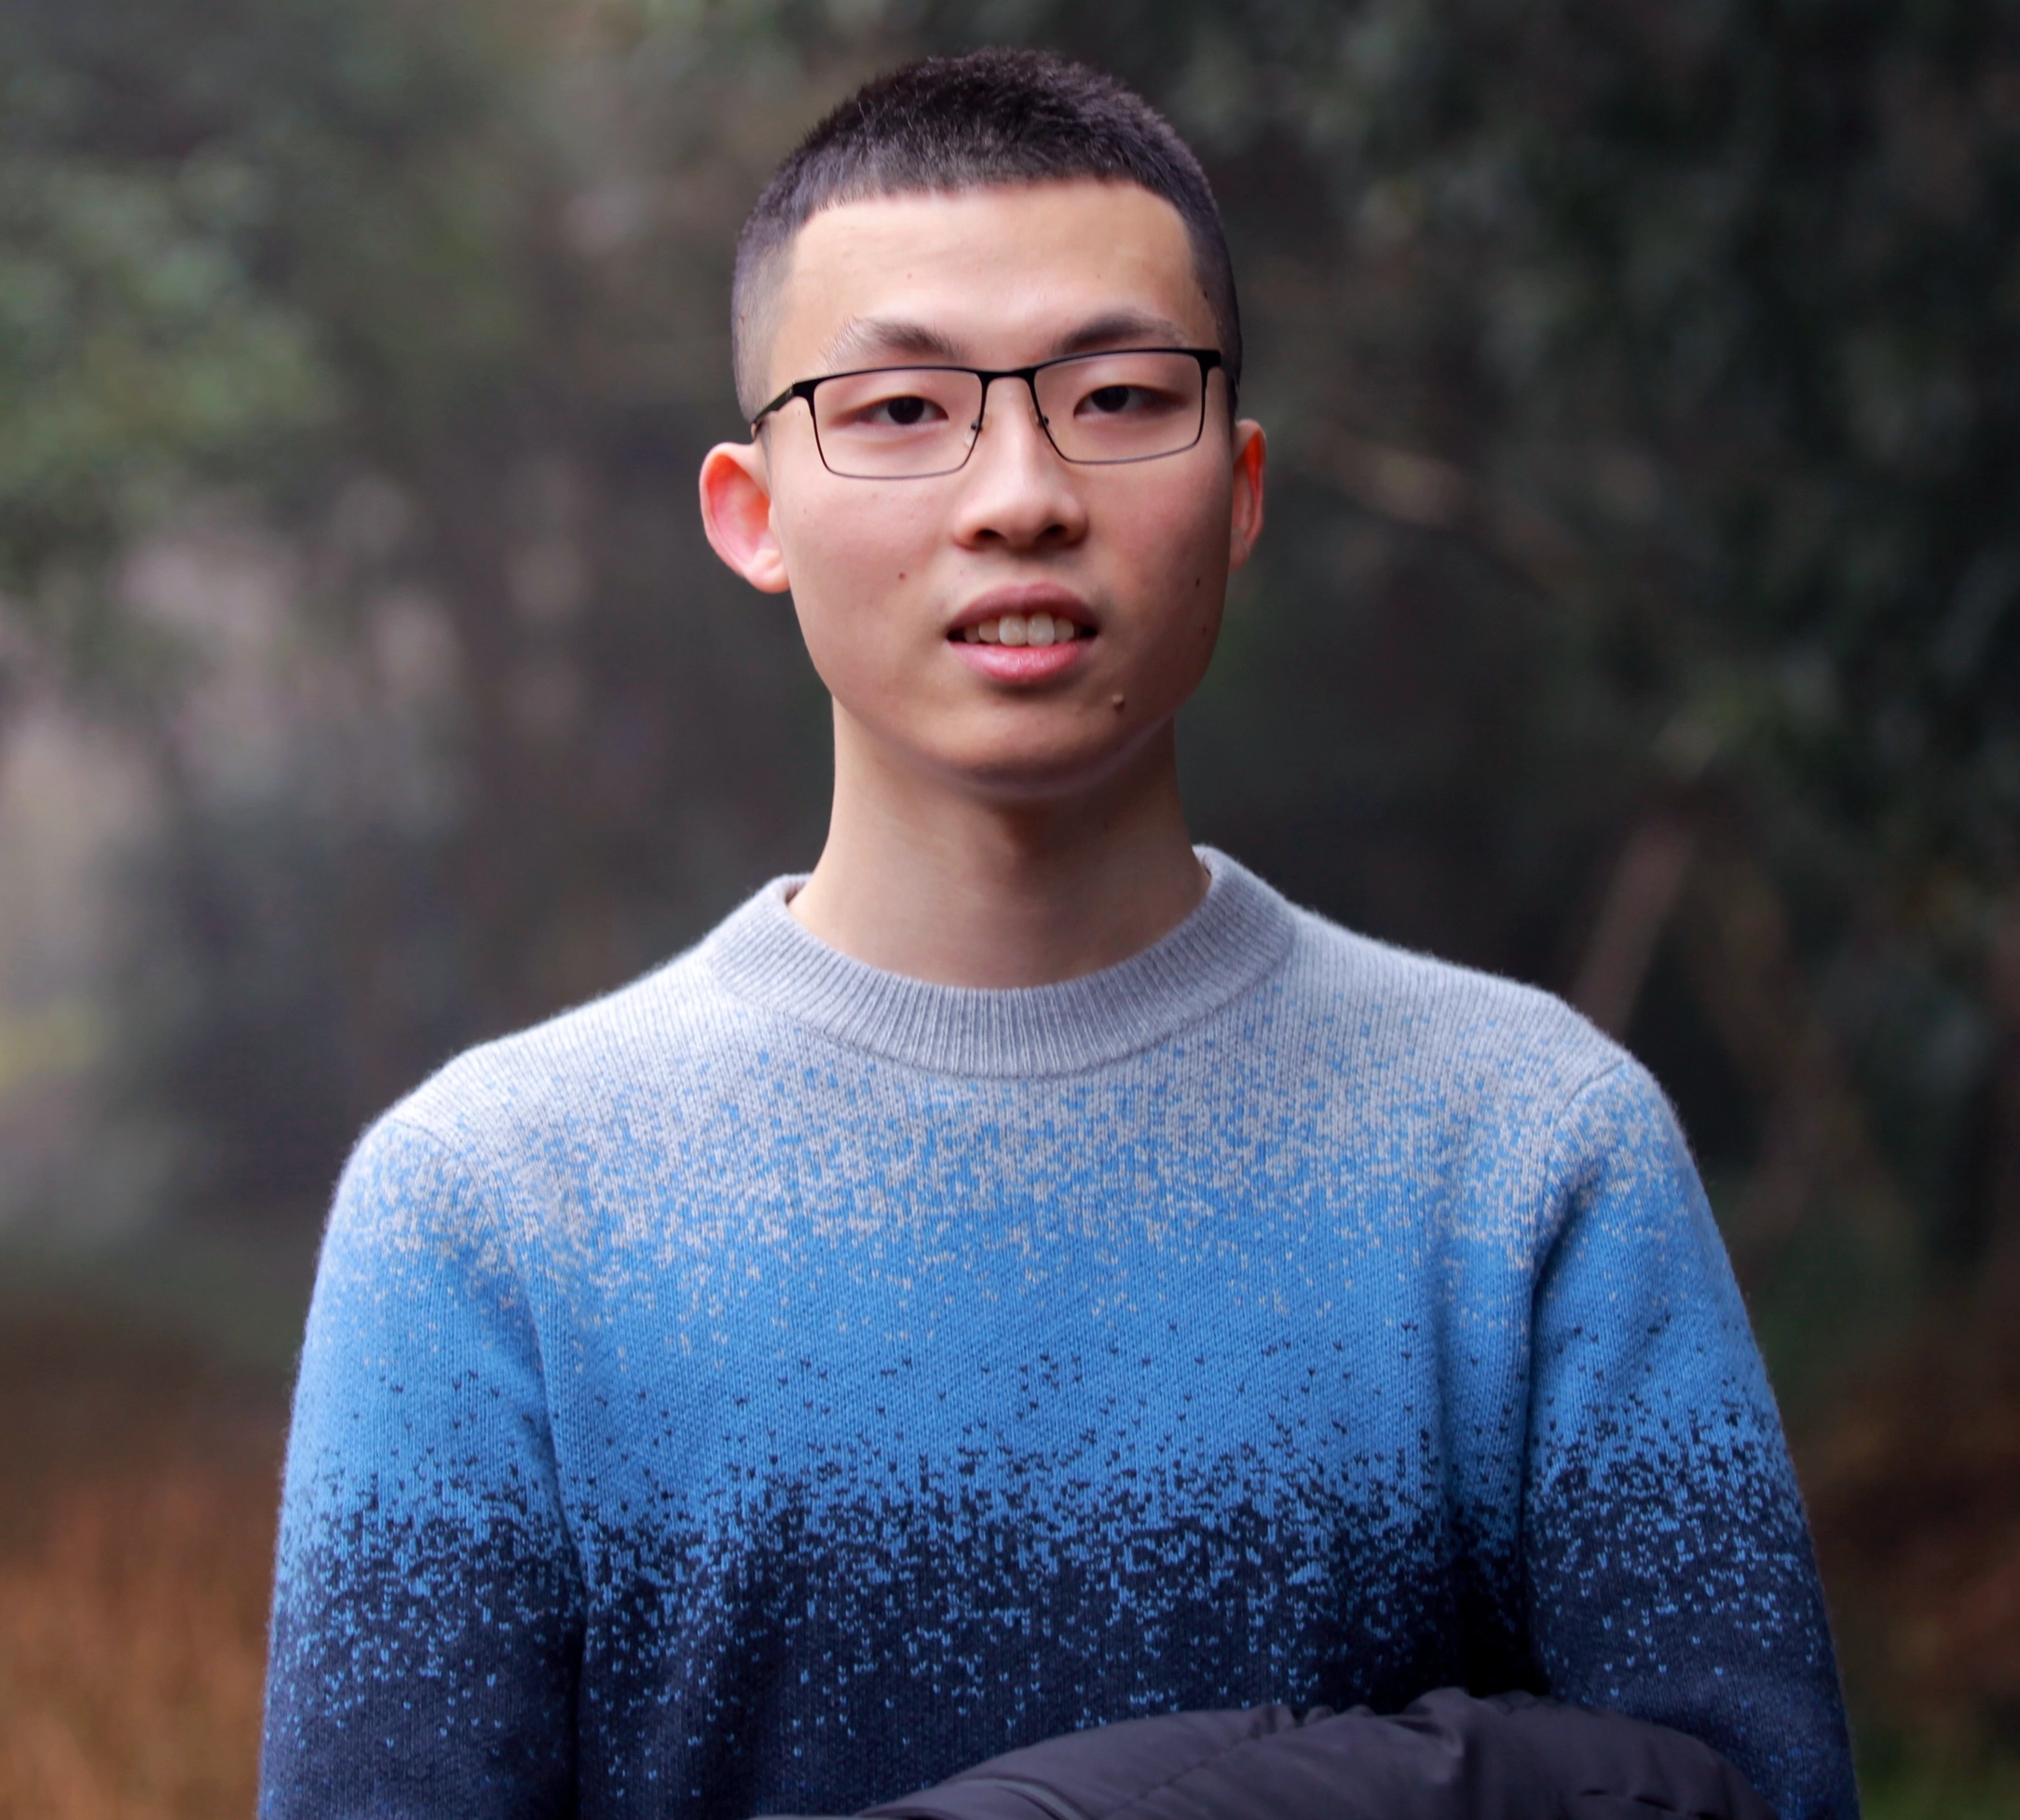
x,y
1037,772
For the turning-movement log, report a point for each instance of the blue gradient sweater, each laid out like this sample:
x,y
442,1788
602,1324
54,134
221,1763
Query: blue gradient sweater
x,y
779,1384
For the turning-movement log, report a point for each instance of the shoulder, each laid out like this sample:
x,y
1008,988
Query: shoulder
x,y
1417,1023
1493,1096
1466,1076
621,1071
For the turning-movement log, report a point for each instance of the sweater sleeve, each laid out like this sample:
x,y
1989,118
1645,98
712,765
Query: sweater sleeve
x,y
1669,1568
427,1616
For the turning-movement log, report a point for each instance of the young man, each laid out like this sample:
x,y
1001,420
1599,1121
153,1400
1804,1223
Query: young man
x,y
1024,1275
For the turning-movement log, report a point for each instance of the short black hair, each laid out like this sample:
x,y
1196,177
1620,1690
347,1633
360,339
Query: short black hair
x,y
970,122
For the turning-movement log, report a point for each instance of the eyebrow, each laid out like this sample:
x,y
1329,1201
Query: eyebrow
x,y
865,337
873,338
1121,326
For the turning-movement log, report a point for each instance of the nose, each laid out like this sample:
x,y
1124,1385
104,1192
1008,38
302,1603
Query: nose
x,y
1015,491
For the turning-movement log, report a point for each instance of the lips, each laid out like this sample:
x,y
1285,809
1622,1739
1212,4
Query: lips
x,y
1021,662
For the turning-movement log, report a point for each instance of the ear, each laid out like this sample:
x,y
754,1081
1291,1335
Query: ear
x,y
1251,453
736,513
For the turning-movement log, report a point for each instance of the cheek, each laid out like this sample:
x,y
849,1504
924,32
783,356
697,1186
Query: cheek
x,y
851,546
1180,538
1178,553
851,556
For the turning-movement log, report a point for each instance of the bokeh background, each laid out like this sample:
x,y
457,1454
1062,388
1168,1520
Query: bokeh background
x,y
1640,614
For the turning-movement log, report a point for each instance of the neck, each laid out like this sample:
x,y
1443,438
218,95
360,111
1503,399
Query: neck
x,y
931,883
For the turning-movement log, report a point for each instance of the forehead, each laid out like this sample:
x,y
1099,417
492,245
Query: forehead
x,y
1002,276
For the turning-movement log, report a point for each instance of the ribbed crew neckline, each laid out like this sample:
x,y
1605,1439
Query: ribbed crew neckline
x,y
1240,931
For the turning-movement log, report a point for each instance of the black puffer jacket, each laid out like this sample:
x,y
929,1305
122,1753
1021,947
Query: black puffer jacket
x,y
1449,1757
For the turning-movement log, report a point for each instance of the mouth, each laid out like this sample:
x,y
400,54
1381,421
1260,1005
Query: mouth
x,y
1037,629
1029,642
1024,633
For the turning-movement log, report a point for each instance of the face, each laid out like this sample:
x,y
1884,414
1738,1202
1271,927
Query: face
x,y
905,589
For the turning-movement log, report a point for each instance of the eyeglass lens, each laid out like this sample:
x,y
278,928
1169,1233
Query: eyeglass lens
x,y
903,423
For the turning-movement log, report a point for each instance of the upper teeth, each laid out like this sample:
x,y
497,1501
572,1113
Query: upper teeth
x,y
1025,629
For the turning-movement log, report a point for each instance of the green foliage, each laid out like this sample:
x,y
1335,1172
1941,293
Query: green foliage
x,y
217,221
1902,1785
135,351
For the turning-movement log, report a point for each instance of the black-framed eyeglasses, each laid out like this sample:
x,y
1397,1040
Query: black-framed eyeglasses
x,y
914,422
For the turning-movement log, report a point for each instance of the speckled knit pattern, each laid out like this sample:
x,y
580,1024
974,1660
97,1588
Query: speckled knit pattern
x,y
779,1384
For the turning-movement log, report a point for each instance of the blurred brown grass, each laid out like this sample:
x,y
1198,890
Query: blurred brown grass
x,y
1914,1487
136,1536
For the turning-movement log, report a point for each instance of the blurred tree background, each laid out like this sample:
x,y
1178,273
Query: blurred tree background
x,y
1640,613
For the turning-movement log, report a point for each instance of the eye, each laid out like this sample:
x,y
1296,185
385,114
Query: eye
x,y
895,403
1123,399
904,411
